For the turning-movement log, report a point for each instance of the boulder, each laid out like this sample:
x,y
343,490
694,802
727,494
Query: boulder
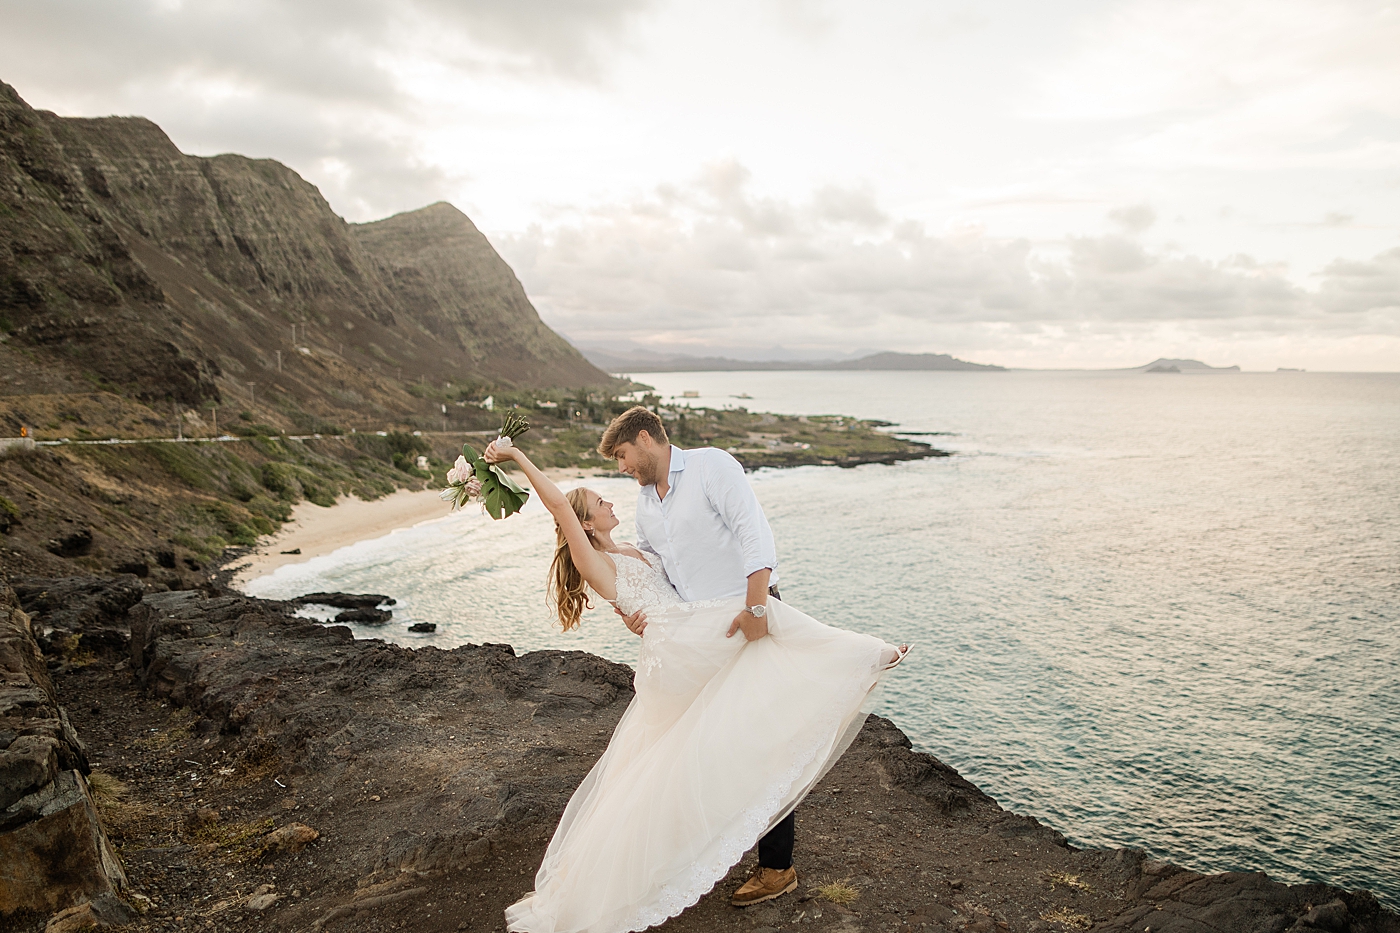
x,y
293,837
60,857
365,616
52,845
346,600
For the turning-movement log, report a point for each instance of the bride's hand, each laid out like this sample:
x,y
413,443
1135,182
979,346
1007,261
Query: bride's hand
x,y
494,454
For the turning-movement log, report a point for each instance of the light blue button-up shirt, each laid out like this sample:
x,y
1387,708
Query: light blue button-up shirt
x,y
709,531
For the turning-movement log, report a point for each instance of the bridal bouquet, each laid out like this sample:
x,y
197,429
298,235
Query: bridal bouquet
x,y
471,477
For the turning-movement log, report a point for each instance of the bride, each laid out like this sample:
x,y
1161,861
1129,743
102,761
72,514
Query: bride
x,y
723,738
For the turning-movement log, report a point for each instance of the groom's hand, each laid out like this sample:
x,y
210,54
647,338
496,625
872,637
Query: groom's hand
x,y
636,623
753,627
756,594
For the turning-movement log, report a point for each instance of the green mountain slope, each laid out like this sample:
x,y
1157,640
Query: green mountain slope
x,y
126,263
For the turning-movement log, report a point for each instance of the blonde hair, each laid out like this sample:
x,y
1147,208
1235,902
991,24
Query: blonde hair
x,y
568,594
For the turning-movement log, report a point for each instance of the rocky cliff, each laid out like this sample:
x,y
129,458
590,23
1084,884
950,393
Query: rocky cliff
x,y
158,275
53,848
259,769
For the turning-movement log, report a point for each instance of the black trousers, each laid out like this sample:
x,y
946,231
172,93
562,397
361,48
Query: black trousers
x,y
775,849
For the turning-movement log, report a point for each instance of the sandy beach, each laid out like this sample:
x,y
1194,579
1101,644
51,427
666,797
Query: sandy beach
x,y
316,530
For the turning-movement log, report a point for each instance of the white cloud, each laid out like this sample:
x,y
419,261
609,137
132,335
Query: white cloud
x,y
325,87
1029,180
710,267
1247,83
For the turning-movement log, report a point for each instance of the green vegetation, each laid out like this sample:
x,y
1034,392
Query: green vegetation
x,y
216,495
205,496
9,515
756,439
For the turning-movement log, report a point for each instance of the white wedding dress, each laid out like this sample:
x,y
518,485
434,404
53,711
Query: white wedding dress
x,y
722,740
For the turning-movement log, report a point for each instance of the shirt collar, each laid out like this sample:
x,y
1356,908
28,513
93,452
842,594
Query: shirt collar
x,y
677,459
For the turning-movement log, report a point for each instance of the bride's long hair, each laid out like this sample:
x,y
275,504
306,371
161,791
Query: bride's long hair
x,y
568,594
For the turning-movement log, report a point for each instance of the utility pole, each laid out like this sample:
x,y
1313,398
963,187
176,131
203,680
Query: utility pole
x,y
216,420
444,419
252,395
279,361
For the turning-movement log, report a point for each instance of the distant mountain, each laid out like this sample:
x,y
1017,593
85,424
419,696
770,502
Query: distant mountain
x,y
129,266
619,363
1165,365
913,361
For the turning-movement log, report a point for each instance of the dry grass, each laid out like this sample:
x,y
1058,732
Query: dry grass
x,y
120,815
259,761
179,728
242,840
838,892
105,788
1065,880
1069,919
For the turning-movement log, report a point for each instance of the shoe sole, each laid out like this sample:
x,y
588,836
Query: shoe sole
x,y
767,897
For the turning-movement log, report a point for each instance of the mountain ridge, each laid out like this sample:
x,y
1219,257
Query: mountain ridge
x,y
158,275
885,360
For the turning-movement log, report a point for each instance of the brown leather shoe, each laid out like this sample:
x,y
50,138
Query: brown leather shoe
x,y
764,885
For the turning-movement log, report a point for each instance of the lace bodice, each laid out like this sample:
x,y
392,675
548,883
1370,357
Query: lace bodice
x,y
639,585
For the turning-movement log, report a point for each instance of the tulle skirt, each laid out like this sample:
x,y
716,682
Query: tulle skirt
x,y
722,740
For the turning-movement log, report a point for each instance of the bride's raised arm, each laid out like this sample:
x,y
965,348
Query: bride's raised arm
x,y
596,569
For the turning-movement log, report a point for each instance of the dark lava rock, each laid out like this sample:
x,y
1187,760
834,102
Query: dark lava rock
x,y
137,568
92,608
1332,916
346,600
76,603
365,616
423,627
74,544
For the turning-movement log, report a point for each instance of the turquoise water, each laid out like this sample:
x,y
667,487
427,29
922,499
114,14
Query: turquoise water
x,y
1151,610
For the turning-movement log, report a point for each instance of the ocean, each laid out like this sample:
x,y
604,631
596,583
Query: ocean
x,y
1156,610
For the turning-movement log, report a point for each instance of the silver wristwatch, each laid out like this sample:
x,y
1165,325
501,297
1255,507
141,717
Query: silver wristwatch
x,y
757,612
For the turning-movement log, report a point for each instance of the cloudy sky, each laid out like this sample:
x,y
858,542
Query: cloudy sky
x,y
1080,183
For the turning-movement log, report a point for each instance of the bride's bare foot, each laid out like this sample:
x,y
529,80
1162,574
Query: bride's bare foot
x,y
902,653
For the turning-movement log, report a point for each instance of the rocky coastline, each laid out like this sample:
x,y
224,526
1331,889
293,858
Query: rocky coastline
x,y
231,766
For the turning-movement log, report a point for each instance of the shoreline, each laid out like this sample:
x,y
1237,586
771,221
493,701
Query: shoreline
x,y
315,530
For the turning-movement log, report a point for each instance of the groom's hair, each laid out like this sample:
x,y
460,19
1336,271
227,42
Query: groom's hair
x,y
625,428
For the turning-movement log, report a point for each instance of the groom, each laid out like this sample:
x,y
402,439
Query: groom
x,y
698,515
